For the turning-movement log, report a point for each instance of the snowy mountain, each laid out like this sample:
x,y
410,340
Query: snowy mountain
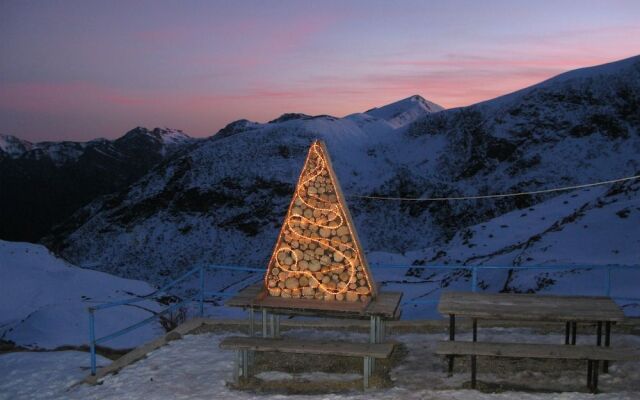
x,y
223,201
45,300
162,140
406,111
11,146
44,183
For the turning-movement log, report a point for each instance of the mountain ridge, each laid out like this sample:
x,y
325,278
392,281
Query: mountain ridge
x,y
223,200
15,147
70,174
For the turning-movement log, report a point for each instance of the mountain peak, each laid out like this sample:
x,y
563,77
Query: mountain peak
x,y
234,127
166,136
405,111
289,116
14,146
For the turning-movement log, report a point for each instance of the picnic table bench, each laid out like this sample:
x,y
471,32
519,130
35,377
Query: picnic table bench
x,y
243,345
569,310
384,307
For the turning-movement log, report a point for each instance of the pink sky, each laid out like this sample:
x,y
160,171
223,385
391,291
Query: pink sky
x,y
79,70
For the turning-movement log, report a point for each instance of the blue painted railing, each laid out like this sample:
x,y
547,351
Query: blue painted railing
x,y
202,295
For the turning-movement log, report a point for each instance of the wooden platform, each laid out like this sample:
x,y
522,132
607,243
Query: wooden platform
x,y
508,306
385,305
536,350
300,346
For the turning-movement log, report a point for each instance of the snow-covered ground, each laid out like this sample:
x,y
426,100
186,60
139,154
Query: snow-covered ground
x,y
194,368
42,375
45,300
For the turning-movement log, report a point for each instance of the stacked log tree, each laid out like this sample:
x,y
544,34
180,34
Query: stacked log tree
x,y
316,257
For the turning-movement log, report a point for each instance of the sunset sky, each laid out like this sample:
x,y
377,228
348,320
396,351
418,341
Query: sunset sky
x,y
79,70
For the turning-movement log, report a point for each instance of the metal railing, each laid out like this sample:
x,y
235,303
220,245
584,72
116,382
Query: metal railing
x,y
203,294
475,269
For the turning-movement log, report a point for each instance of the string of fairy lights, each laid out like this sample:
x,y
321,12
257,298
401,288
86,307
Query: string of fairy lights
x,y
500,195
349,255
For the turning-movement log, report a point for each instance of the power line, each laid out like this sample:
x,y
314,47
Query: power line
x,y
493,196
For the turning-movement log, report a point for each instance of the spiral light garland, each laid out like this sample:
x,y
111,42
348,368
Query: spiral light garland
x,y
317,255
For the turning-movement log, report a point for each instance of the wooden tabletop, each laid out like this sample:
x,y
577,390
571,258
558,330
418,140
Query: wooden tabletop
x,y
531,307
385,305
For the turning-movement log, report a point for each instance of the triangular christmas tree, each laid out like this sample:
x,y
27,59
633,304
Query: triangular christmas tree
x,y
317,254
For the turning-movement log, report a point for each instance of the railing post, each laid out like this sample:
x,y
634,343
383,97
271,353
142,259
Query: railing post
x,y
607,282
474,279
201,291
92,340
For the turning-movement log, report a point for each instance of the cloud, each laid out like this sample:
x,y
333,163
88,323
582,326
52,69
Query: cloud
x,y
242,44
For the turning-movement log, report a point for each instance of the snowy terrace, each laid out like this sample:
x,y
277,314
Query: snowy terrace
x,y
194,368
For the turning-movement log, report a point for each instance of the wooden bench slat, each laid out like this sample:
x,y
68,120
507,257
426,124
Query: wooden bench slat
x,y
287,345
528,350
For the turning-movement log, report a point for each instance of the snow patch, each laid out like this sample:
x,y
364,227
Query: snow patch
x,y
45,301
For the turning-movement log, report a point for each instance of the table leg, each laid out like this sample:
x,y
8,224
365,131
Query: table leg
x,y
475,330
607,342
574,328
251,322
373,337
452,337
245,365
473,372
236,366
378,338
599,334
272,325
594,380
277,326
589,373
366,372
264,322
473,358
372,328
567,332
252,332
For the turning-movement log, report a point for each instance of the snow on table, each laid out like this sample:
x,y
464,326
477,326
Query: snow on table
x,y
194,368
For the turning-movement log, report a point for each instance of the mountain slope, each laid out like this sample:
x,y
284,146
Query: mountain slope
x,y
44,183
45,300
594,226
223,201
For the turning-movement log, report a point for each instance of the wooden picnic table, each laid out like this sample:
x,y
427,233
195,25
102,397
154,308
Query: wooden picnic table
x,y
532,307
384,307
